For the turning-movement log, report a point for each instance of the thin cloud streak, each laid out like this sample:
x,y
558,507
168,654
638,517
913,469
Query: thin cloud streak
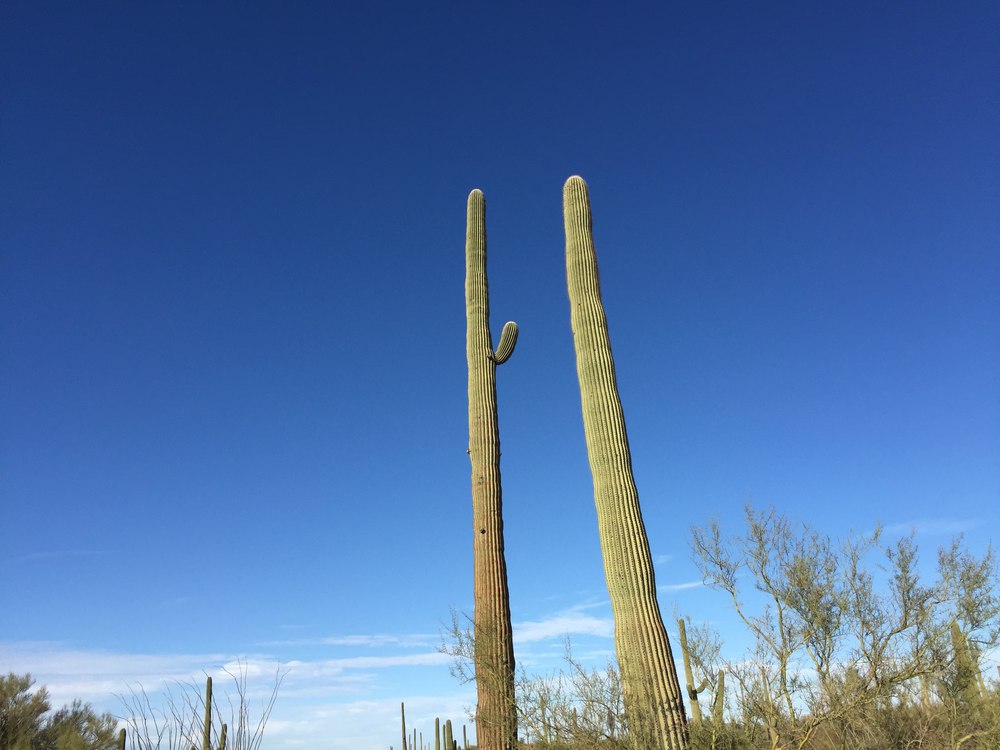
x,y
681,586
563,624
415,640
933,526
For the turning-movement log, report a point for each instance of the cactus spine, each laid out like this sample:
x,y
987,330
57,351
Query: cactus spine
x,y
496,717
650,689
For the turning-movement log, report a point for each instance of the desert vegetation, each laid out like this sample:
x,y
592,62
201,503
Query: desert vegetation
x,y
852,644
844,644
27,721
186,717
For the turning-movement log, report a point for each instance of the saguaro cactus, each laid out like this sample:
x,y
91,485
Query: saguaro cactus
x,y
719,703
206,732
692,691
653,704
496,717
967,675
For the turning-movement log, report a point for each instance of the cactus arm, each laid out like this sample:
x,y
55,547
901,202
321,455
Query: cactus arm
x,y
508,340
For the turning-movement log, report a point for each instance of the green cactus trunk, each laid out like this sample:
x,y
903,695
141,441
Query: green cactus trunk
x,y
402,719
206,733
121,739
719,703
692,691
496,717
653,704
967,676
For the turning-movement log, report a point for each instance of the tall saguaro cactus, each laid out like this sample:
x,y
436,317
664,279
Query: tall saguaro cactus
x,y
496,717
653,704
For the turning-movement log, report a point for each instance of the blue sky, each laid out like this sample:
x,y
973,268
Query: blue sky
x,y
232,317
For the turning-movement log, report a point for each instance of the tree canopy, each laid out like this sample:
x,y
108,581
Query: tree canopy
x,y
28,723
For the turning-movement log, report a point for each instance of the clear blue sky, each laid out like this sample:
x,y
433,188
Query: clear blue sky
x,y
233,332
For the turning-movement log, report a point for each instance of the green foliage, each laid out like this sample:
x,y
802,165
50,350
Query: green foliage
x,y
26,722
850,648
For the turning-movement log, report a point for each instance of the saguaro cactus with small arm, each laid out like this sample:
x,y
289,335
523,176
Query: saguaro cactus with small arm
x,y
496,712
692,691
653,704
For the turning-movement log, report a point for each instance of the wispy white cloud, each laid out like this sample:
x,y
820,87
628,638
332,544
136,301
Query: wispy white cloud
x,y
680,586
662,559
358,723
375,662
317,698
413,640
567,623
933,526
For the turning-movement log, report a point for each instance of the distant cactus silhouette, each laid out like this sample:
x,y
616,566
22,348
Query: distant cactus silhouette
x,y
496,712
653,704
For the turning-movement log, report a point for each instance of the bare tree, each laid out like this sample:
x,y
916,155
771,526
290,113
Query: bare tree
x,y
176,721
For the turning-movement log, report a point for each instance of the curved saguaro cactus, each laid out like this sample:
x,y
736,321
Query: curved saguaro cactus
x,y
496,717
653,704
